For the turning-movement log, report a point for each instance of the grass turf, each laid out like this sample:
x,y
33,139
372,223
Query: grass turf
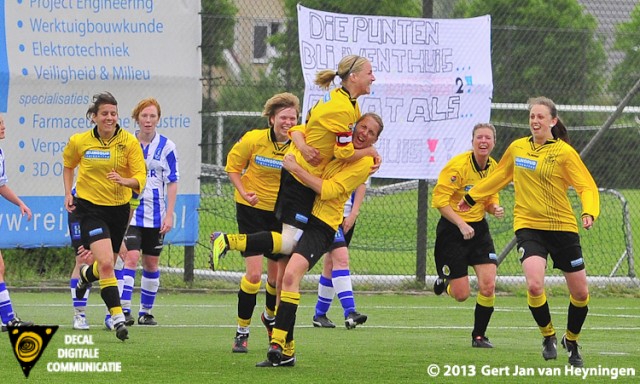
x,y
404,336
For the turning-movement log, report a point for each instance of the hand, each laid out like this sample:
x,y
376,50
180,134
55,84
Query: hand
x,y
167,224
377,162
463,206
311,155
348,223
68,203
250,197
85,255
467,231
498,212
587,222
24,210
289,162
115,177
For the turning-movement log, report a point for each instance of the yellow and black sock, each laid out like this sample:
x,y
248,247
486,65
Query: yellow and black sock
x,y
270,300
285,316
539,308
247,301
482,314
576,317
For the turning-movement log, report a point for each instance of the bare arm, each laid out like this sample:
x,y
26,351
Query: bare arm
x,y
358,198
172,194
310,154
249,196
8,194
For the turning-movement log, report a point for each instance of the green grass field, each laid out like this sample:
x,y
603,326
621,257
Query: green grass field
x,y
404,337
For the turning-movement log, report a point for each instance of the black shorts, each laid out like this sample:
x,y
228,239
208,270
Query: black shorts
x,y
99,222
73,221
254,220
147,240
294,202
342,239
315,241
453,254
563,247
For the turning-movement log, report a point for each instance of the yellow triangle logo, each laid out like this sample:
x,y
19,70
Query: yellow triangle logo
x,y
29,343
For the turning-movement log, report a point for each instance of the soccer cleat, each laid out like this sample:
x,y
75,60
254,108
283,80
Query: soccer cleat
x,y
287,361
241,343
572,348
122,332
549,347
128,318
147,319
481,342
16,322
108,323
83,284
80,322
274,354
268,324
322,322
354,319
219,248
439,286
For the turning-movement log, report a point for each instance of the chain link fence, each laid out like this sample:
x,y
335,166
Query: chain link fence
x,y
582,54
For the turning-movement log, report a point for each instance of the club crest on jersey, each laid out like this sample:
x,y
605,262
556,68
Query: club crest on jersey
x,y
453,179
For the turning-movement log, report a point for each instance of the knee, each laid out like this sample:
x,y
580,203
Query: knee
x,y
581,295
253,277
487,289
535,288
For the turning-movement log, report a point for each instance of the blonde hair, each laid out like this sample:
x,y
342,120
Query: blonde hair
x,y
348,65
280,101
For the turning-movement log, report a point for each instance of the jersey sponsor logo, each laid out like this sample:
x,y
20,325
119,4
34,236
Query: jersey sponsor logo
x,y
96,154
577,262
269,163
526,163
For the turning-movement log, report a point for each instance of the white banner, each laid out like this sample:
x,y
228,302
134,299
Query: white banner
x,y
54,56
433,81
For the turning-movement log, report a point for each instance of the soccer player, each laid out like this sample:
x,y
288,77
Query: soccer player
x,y
463,238
110,168
336,278
254,167
328,133
152,219
339,179
542,167
82,257
7,315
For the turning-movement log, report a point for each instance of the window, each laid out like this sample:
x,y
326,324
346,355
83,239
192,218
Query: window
x,y
261,33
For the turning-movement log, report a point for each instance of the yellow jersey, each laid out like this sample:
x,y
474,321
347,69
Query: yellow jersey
x,y
259,156
457,177
541,176
340,179
329,129
95,158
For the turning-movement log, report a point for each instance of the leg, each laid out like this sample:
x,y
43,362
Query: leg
x,y
289,301
247,294
534,268
149,285
578,309
79,303
129,276
486,274
7,315
326,292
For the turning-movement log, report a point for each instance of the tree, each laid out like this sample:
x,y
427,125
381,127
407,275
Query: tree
x,y
627,72
218,21
541,48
